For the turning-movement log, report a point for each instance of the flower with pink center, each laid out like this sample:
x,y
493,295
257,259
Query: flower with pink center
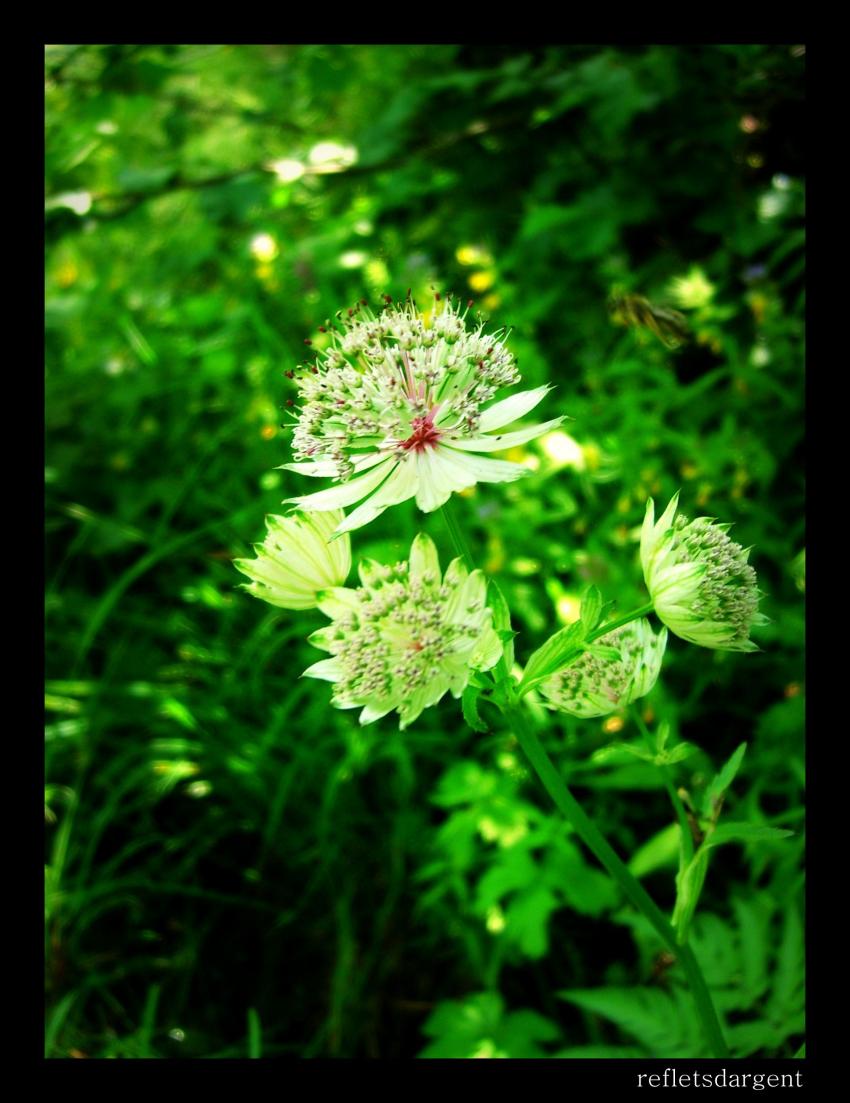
x,y
402,406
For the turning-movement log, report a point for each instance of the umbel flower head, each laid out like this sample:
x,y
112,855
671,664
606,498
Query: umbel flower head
x,y
595,686
297,559
405,636
399,407
699,580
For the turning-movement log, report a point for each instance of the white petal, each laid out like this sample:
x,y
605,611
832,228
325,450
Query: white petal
x,y
434,488
466,469
400,486
346,494
423,557
327,469
512,408
337,601
328,670
497,442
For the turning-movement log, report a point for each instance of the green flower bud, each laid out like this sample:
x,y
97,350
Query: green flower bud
x,y
699,580
598,683
298,559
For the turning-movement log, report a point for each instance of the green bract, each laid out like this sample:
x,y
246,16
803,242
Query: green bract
x,y
405,636
597,684
400,406
297,559
699,580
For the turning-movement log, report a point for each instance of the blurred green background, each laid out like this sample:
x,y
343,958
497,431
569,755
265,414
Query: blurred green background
x,y
236,869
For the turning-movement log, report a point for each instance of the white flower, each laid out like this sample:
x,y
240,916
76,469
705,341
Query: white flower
x,y
699,580
406,636
297,560
400,408
595,685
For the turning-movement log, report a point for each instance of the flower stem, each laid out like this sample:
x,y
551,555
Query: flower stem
x,y
628,883
604,629
587,830
456,534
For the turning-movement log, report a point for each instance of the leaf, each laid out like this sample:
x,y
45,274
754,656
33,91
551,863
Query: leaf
x,y
660,852
464,783
745,833
722,781
663,1023
469,704
553,655
591,609
527,919
689,882
676,754
501,620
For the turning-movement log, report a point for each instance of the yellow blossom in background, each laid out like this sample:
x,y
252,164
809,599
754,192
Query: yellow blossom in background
x,y
693,291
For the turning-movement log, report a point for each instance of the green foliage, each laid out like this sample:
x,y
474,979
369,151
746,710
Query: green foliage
x,y
232,867
756,982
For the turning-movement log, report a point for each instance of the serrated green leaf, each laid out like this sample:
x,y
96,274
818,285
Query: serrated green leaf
x,y
665,1024
469,704
745,833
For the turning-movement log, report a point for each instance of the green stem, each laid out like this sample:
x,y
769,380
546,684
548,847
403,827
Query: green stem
x,y
456,534
630,886
587,830
604,629
675,799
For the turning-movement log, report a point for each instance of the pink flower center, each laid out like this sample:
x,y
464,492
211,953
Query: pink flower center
x,y
424,435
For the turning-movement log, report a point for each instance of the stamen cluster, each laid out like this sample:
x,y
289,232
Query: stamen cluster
x,y
406,635
395,383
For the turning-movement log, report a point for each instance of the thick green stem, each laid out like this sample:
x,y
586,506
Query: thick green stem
x,y
630,886
587,830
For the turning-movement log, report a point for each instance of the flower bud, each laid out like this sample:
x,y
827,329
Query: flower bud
x,y
699,580
598,683
297,560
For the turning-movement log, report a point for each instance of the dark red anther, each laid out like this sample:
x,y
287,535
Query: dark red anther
x,y
289,374
437,296
289,402
408,292
489,352
388,298
363,302
322,329
314,370
307,341
350,312
470,302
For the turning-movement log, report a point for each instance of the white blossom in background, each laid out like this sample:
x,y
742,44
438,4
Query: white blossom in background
x,y
297,559
595,685
406,636
402,407
700,582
